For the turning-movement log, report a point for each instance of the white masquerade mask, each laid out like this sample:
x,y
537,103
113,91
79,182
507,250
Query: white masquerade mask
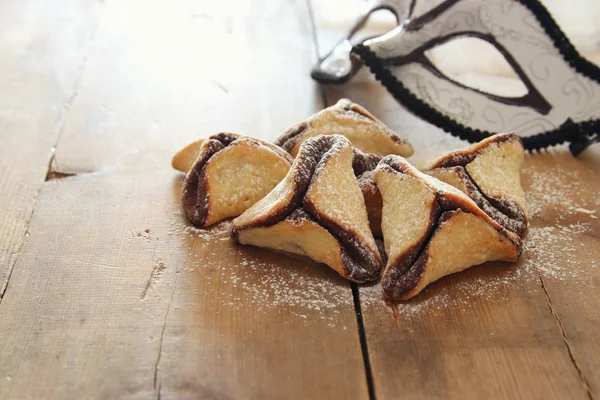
x,y
562,103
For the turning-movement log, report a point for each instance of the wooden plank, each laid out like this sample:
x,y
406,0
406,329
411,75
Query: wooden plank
x,y
565,237
251,324
115,296
42,47
74,322
213,66
492,331
113,290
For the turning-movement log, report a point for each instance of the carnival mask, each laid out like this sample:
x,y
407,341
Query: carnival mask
x,y
562,99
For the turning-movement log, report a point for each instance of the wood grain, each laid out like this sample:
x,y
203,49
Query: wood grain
x,y
127,302
74,321
114,296
566,232
42,48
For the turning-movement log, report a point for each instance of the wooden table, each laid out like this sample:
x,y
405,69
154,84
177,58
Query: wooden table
x,y
106,292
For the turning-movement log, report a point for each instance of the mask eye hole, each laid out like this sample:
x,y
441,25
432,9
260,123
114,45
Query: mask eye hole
x,y
478,65
377,23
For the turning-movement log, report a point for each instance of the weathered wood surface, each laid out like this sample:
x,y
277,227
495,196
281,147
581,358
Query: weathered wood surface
x,y
42,47
565,237
113,296
528,330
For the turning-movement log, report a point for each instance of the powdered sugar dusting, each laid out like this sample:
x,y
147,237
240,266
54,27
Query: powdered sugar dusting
x,y
558,189
555,251
181,227
268,286
260,279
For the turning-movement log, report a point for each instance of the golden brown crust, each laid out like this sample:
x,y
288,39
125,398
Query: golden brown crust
x,y
231,173
460,179
466,155
490,171
366,132
322,183
185,158
430,205
448,196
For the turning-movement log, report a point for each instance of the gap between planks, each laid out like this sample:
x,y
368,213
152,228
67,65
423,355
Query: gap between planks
x,y
363,340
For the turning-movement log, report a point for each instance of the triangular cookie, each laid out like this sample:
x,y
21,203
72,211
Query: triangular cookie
x,y
317,210
346,118
185,158
489,173
432,229
231,173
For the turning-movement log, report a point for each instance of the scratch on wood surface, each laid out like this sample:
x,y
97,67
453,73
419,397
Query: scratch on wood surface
x,y
16,253
156,382
220,86
584,381
155,276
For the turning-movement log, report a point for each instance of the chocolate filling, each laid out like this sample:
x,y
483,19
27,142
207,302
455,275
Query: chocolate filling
x,y
362,112
447,201
397,283
357,110
302,171
514,222
504,211
194,193
353,262
465,156
290,136
361,263
363,162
